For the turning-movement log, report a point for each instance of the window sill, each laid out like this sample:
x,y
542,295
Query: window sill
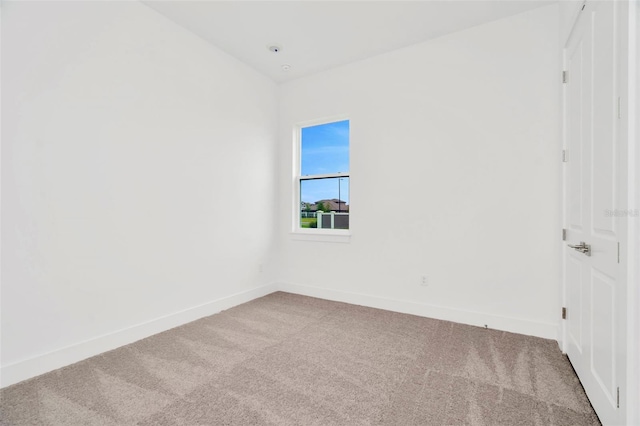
x,y
328,236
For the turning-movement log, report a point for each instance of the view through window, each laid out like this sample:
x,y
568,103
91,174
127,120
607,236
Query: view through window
x,y
324,176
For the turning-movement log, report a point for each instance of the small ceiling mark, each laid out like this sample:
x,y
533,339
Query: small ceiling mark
x,y
286,67
275,48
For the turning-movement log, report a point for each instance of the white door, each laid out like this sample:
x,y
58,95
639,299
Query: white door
x,y
594,280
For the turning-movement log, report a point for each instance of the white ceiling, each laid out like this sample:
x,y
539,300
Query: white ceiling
x,y
317,35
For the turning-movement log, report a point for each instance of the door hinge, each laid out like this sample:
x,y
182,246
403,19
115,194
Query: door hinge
x,y
564,313
564,76
618,397
564,155
564,234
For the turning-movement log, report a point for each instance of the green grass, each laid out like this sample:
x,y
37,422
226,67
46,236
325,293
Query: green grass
x,y
308,222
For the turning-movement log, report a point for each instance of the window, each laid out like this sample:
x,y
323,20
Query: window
x,y
323,176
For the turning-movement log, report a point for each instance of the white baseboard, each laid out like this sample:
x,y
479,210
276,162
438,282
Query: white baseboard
x,y
31,367
496,322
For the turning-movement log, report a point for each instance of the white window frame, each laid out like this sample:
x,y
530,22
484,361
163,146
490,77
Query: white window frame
x,y
315,234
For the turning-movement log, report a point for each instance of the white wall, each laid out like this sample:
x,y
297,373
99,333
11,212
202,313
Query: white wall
x,y
461,133
136,163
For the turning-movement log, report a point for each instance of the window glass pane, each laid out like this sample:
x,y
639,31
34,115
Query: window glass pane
x,y
327,195
325,149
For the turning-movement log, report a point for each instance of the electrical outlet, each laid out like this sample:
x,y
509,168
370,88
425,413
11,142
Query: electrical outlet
x,y
424,281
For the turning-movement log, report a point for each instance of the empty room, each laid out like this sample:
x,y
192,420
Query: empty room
x,y
319,212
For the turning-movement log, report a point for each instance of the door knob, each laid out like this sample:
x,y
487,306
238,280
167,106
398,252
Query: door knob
x,y
582,248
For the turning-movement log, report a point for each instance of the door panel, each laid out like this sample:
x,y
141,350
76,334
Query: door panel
x,y
575,99
604,152
604,333
574,300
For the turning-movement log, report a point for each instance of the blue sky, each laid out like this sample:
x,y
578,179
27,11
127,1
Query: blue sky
x,y
325,149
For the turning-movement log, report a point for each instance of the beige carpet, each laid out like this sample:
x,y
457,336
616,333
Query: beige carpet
x,y
293,360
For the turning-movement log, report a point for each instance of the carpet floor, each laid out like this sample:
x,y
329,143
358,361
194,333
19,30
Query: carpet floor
x,y
286,359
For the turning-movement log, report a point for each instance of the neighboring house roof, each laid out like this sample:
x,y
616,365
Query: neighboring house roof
x,y
330,205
